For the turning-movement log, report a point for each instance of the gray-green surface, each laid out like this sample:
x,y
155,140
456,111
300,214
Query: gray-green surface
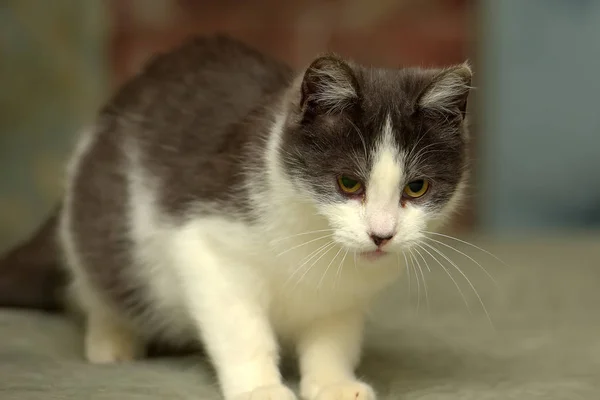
x,y
545,344
54,74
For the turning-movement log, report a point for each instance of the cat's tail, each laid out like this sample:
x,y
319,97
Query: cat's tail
x,y
30,273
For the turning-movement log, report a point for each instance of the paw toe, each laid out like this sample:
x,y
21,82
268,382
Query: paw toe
x,y
347,391
275,392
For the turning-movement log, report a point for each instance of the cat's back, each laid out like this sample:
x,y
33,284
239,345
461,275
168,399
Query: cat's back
x,y
179,126
215,72
187,115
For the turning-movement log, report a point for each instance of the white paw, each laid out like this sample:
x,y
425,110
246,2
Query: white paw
x,y
274,392
104,345
352,390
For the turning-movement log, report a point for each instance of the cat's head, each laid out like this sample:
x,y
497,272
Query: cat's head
x,y
382,153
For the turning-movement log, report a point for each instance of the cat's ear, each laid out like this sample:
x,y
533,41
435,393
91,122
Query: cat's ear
x,y
448,91
328,86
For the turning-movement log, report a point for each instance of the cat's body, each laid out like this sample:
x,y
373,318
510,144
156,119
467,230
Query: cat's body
x,y
205,204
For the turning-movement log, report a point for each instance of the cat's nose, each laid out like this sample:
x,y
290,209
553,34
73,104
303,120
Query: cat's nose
x,y
380,240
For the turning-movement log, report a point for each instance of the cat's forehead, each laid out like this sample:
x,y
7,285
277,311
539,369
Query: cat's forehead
x,y
391,124
391,91
388,103
392,127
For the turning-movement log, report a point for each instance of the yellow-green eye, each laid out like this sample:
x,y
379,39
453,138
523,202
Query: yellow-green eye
x,y
349,185
416,189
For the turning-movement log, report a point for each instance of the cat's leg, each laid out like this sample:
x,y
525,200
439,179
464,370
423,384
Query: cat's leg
x,y
229,307
240,342
329,351
108,340
108,337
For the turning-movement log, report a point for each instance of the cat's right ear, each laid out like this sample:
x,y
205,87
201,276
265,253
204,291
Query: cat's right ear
x,y
329,86
448,92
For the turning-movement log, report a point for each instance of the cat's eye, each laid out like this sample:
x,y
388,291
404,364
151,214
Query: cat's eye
x,y
350,185
416,189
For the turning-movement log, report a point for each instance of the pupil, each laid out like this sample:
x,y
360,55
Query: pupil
x,y
349,183
416,186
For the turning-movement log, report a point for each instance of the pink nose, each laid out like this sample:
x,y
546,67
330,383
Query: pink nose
x,y
381,240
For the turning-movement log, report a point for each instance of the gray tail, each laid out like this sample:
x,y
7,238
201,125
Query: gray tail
x,y
30,273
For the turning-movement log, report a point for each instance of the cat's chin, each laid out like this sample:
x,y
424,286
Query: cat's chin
x,y
374,255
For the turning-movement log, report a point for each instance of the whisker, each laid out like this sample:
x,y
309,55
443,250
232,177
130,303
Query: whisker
x,y
469,244
412,263
360,135
422,155
301,234
331,246
466,278
415,158
312,254
304,244
424,281
417,143
469,257
407,273
340,268
306,259
462,294
423,258
327,269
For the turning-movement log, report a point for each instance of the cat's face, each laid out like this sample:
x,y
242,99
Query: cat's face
x,y
381,153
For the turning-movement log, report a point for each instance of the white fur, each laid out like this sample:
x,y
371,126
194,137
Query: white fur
x,y
86,141
247,289
383,194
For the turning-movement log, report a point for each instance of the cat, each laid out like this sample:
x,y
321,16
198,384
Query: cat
x,y
222,198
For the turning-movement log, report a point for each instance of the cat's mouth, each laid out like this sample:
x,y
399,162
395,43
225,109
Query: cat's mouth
x,y
373,255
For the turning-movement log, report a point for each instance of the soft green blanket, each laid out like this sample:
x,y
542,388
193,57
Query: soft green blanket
x,y
545,343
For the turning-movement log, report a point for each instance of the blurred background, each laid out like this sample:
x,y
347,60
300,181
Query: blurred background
x,y
535,117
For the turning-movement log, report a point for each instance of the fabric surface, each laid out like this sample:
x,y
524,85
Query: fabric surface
x,y
545,343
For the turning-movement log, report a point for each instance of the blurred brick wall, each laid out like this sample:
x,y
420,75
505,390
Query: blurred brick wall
x,y
384,32
380,32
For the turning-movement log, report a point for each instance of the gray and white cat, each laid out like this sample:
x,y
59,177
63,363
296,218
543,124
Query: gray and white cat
x,y
222,198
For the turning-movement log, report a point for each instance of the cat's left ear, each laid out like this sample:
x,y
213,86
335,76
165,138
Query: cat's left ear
x,y
448,91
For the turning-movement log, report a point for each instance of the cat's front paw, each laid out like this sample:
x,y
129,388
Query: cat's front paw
x,y
351,390
107,345
274,392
